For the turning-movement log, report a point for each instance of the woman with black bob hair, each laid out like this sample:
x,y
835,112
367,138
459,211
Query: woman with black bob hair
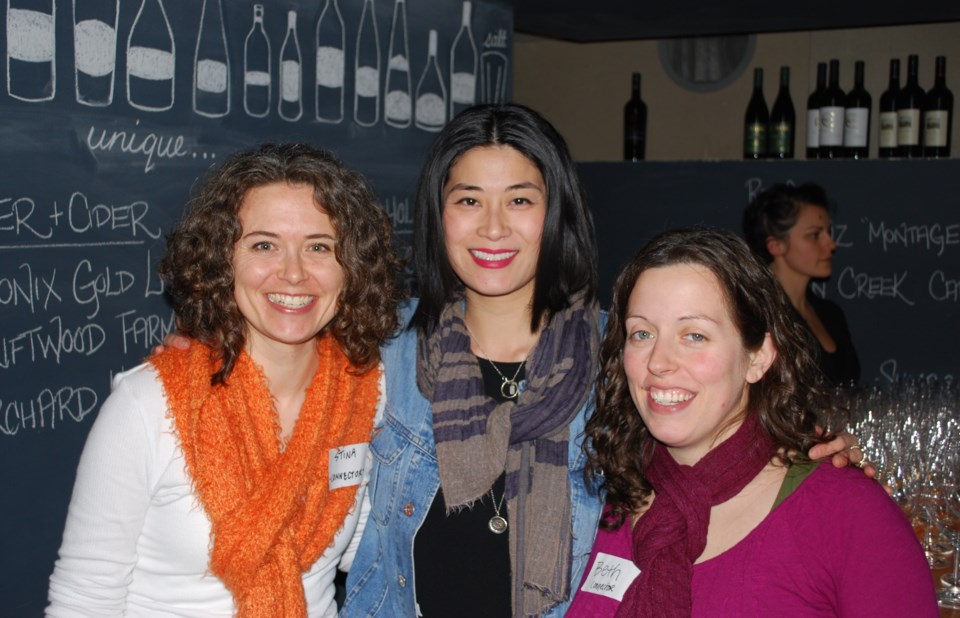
x,y
788,228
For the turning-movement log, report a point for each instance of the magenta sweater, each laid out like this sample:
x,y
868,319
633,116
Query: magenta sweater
x,y
837,546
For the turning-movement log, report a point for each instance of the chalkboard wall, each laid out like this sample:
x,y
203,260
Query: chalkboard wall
x,y
109,111
896,271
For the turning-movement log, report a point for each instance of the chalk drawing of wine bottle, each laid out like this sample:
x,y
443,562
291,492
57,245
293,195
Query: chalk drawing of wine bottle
x,y
431,109
95,50
211,64
151,58
331,64
463,66
31,49
493,77
291,73
398,105
257,80
366,92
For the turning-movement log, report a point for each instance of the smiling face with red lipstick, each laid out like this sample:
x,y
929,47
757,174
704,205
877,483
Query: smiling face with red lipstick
x,y
685,362
287,277
494,207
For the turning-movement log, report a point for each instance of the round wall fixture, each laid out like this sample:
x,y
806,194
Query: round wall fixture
x,y
706,64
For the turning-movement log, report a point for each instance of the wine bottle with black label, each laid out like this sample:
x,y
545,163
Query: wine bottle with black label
x,y
634,123
783,120
909,106
856,117
887,148
831,116
756,121
813,112
938,115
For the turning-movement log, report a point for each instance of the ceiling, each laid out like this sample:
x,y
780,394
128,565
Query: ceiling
x,y
587,21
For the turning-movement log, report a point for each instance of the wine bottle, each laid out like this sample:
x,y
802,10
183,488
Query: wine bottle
x,y
634,124
257,81
331,64
938,114
755,121
431,106
151,58
888,113
211,64
290,106
397,102
856,117
366,92
813,112
783,120
831,116
95,50
463,66
31,49
909,104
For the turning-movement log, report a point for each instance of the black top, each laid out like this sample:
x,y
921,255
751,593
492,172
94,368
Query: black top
x,y
461,568
841,366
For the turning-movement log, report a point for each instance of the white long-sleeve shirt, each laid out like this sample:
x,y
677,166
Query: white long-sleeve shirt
x,y
136,541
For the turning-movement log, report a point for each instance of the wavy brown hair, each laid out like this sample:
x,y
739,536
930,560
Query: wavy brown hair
x,y
198,266
786,399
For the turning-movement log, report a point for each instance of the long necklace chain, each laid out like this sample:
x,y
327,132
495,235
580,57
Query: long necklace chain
x,y
498,523
509,388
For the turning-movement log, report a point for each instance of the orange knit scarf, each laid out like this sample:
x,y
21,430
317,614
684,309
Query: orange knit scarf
x,y
272,512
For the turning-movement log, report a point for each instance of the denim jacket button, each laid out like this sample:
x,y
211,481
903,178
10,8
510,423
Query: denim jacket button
x,y
402,581
408,509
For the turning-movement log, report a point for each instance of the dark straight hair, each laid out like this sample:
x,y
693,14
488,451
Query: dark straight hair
x,y
568,253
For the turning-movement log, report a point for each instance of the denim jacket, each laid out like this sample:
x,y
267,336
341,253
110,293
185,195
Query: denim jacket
x,y
404,481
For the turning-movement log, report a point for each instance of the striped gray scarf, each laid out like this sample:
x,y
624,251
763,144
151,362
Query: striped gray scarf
x,y
477,440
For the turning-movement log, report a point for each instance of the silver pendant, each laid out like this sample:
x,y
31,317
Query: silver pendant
x,y
509,389
497,525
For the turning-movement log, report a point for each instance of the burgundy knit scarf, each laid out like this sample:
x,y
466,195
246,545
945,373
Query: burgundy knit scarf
x,y
673,533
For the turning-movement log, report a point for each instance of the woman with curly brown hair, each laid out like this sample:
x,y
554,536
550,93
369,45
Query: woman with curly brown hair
x,y
226,479
708,391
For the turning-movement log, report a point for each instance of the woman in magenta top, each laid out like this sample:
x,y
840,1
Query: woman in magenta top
x,y
707,391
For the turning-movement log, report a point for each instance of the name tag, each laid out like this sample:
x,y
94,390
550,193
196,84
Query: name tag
x,y
346,465
610,576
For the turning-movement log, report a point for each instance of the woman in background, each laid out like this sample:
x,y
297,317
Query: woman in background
x,y
224,479
788,227
708,393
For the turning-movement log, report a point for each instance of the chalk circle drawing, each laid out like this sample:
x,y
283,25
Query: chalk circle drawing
x,y
493,77
366,92
257,76
331,64
431,106
463,66
95,50
397,106
290,106
31,49
211,64
151,58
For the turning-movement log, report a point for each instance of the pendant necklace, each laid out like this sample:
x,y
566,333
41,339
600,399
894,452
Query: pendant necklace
x,y
497,524
509,388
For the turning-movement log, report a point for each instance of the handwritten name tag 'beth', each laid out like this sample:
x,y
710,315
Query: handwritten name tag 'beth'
x,y
346,465
610,576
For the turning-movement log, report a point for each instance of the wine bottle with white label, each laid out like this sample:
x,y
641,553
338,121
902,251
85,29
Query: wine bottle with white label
x,y
366,91
430,113
398,99
211,64
856,117
290,106
257,77
331,64
31,50
887,148
831,116
909,107
813,112
938,115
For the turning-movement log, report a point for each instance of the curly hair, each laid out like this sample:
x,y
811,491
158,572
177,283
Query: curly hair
x,y
774,211
568,250
785,399
197,268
